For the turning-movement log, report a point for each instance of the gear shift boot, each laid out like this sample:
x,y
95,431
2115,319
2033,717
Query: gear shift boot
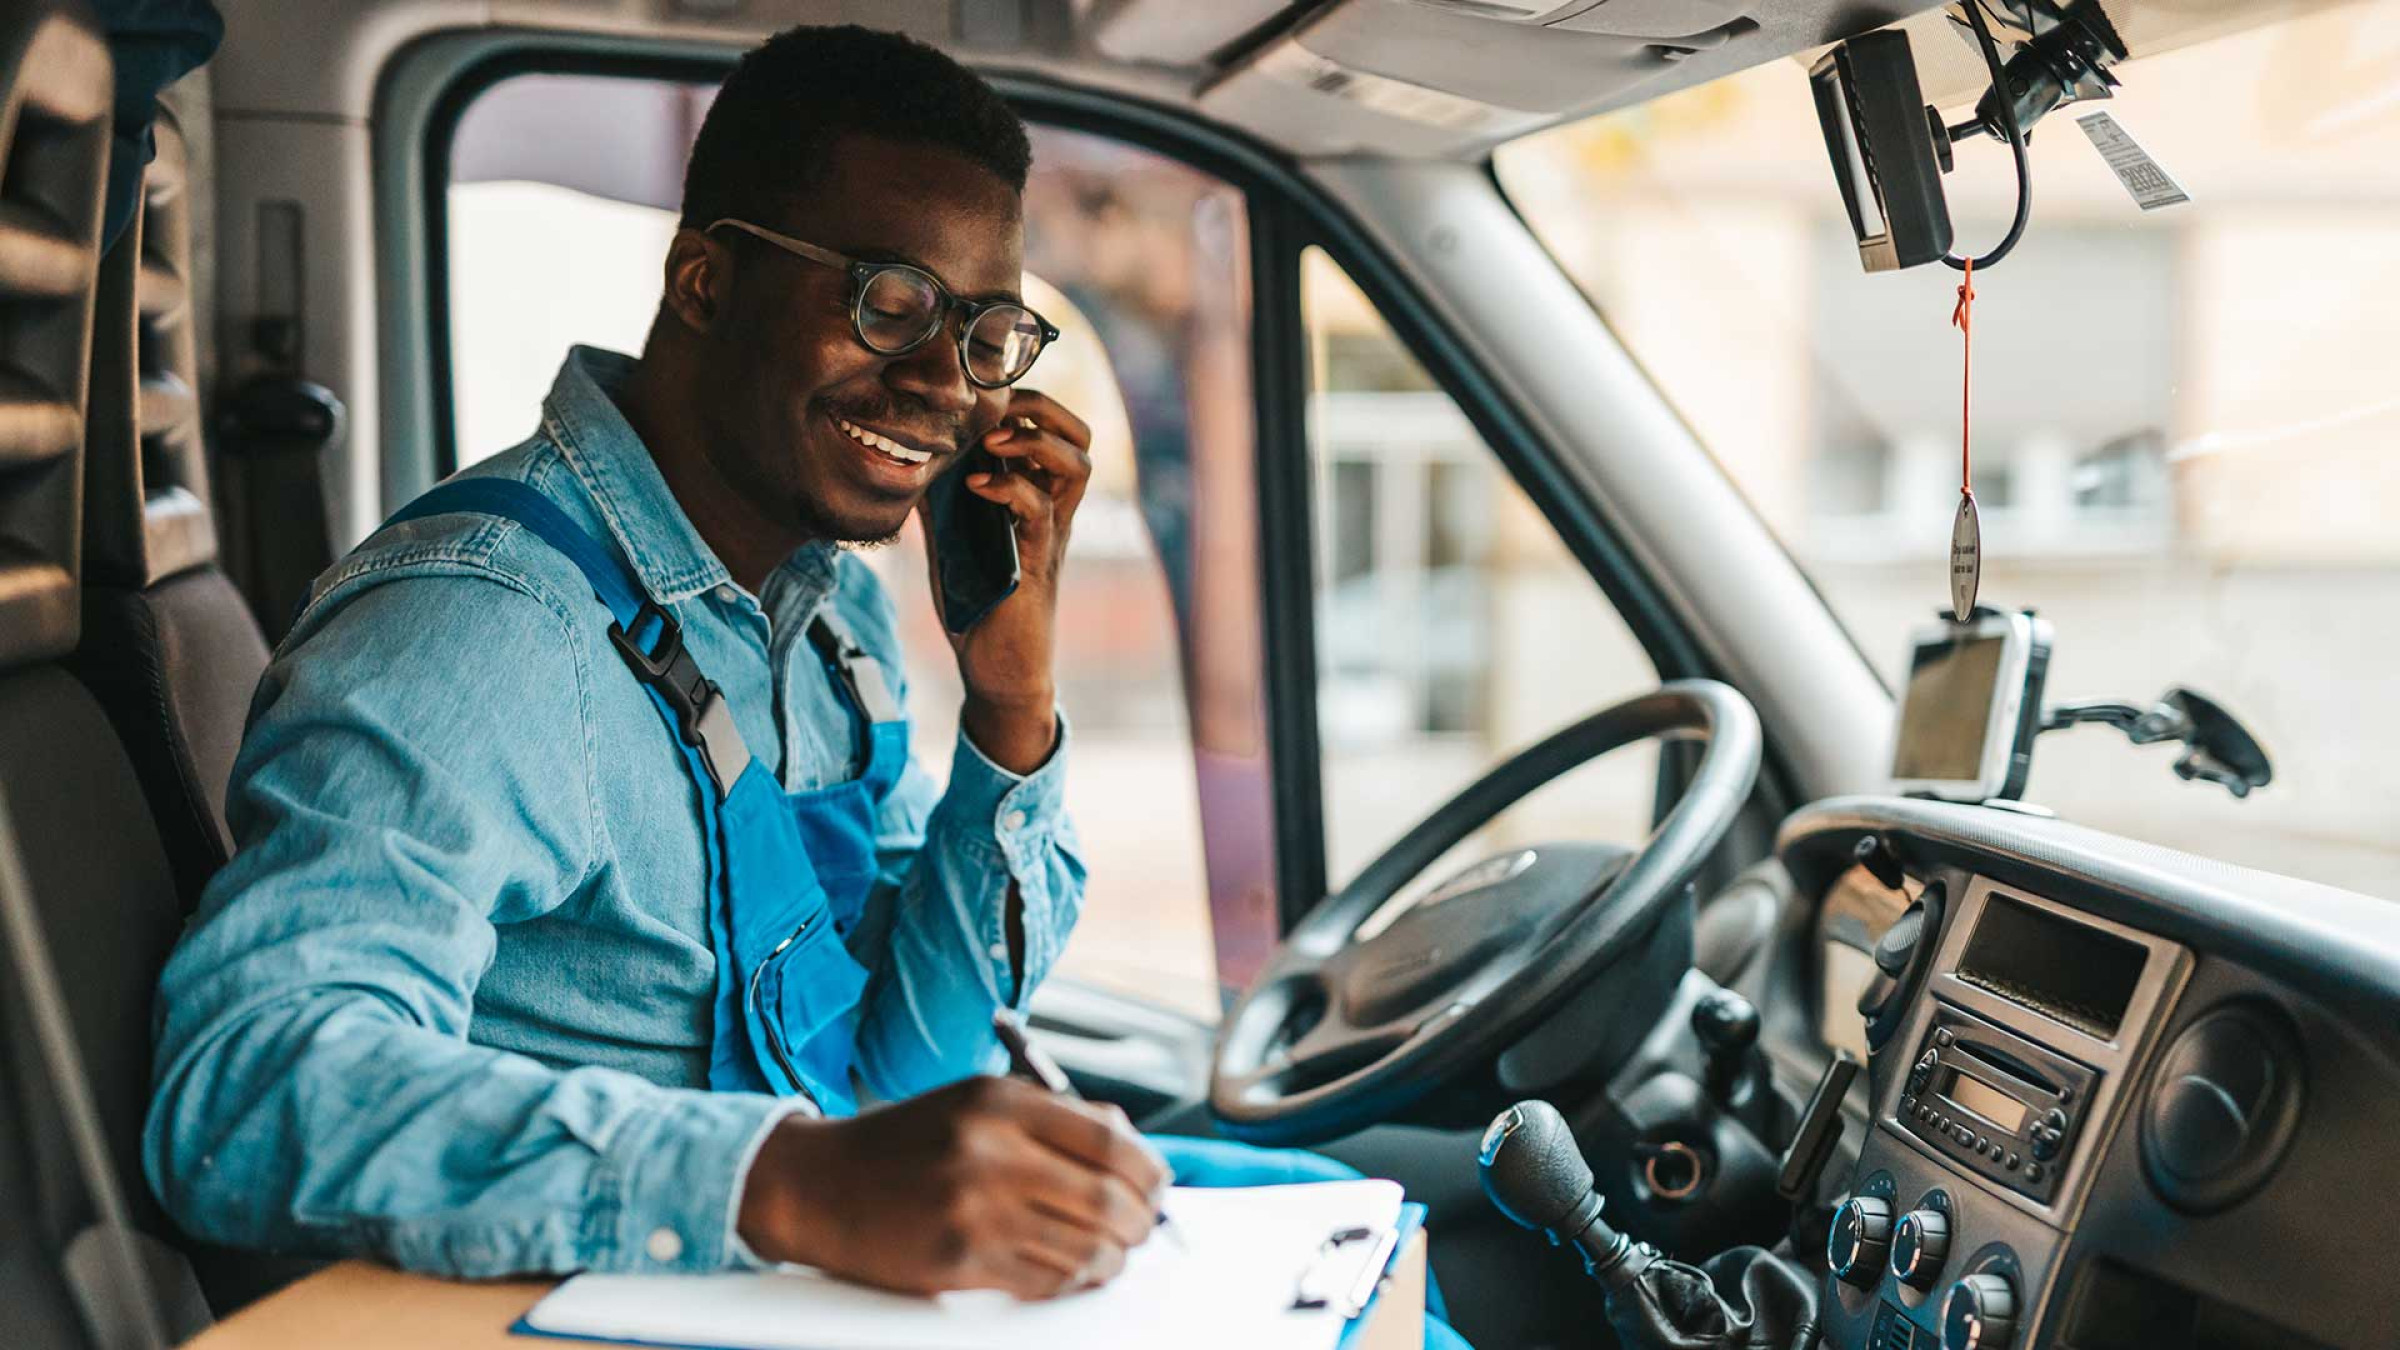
x,y
1743,1299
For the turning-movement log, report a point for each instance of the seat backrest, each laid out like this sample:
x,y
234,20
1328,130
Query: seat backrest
x,y
169,647
94,875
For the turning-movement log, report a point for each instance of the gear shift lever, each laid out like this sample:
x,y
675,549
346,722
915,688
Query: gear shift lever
x,y
1727,1027
1743,1299
1535,1175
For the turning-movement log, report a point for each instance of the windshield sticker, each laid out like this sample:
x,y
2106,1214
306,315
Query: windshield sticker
x,y
2150,185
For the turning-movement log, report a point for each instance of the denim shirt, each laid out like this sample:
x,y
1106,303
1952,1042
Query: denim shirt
x,y
450,1002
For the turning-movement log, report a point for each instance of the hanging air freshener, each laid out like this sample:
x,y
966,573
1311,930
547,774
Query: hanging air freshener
x,y
1966,531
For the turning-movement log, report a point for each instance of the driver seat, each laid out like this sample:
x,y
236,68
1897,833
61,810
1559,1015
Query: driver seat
x,y
90,894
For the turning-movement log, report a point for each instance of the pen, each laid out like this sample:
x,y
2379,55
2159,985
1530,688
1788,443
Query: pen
x,y
1028,1060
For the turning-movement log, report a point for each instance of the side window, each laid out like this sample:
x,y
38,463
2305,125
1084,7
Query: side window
x,y
1453,627
561,200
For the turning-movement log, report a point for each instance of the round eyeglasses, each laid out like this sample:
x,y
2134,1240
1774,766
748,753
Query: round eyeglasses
x,y
898,307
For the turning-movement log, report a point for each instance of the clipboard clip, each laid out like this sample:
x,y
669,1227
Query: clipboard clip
x,y
1322,1284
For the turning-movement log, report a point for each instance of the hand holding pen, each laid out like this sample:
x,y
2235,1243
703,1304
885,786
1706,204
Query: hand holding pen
x,y
1028,1061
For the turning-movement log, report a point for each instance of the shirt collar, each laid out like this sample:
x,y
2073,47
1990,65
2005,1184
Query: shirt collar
x,y
667,553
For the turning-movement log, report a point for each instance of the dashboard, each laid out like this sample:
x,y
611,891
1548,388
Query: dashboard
x,y
2116,1098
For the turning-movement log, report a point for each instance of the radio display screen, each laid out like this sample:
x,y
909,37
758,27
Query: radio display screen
x,y
1973,1094
2062,969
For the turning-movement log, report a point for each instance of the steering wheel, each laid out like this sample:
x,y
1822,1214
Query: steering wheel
x,y
1343,1029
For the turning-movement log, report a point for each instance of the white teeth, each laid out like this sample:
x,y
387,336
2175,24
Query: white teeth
x,y
885,444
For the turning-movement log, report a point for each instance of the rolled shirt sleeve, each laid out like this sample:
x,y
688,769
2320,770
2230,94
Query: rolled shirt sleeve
x,y
935,934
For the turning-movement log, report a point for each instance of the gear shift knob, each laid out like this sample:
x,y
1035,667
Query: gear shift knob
x,y
1535,1174
1727,1027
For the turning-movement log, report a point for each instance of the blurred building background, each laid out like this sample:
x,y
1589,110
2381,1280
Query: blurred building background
x,y
2187,451
2187,421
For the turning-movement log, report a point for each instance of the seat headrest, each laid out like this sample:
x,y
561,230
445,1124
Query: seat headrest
x,y
55,86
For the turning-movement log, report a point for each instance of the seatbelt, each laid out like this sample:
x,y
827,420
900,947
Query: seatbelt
x,y
273,434
104,1265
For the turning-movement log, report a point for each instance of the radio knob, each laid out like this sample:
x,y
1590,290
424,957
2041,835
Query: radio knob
x,y
1979,1313
1920,1243
1860,1236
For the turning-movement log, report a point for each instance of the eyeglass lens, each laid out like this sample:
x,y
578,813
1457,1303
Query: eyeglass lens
x,y
900,309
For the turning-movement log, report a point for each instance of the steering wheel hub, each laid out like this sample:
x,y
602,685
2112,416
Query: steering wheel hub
x,y
1385,991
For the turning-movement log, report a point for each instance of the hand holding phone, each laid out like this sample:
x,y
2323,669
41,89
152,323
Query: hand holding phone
x,y
974,544
998,541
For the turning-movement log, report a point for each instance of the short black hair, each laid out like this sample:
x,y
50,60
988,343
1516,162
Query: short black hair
x,y
767,136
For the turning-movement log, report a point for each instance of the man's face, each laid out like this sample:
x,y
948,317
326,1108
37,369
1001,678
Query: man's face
x,y
787,370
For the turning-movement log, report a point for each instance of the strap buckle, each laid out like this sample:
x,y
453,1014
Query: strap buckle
x,y
701,714
860,671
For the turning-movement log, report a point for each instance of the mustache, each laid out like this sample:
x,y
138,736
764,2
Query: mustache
x,y
950,431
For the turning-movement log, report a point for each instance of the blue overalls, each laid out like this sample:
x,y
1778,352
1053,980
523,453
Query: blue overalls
x,y
790,873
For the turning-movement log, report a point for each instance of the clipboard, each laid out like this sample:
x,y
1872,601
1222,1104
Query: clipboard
x,y
1248,1243
1412,1219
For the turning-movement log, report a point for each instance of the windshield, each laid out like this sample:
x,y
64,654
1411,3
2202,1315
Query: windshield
x,y
2187,421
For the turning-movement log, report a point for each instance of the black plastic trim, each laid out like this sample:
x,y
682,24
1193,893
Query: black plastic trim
x,y
1287,557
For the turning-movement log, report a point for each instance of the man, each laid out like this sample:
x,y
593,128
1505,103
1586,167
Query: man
x,y
543,952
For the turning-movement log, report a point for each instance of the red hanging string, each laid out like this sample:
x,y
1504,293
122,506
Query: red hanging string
x,y
1962,318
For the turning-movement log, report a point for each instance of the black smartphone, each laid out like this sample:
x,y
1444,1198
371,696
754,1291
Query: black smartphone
x,y
975,543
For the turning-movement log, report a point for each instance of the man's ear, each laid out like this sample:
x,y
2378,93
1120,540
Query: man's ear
x,y
696,274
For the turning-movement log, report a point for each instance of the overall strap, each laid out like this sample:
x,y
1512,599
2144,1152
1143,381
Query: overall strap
x,y
645,634
859,671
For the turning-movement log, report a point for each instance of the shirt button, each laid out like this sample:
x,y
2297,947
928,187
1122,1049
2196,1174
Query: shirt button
x,y
999,951
728,594
1014,820
665,1245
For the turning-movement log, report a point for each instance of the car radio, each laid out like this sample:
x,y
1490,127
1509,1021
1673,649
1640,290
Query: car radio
x,y
2003,1106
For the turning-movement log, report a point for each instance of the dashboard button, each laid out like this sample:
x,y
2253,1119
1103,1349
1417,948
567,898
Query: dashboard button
x,y
1943,1036
1920,1243
2013,1160
1857,1241
2033,1171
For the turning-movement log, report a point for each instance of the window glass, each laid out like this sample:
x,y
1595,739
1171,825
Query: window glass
x,y
2184,418
1453,628
560,207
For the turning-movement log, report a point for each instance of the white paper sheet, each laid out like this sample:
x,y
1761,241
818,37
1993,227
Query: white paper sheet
x,y
1228,1287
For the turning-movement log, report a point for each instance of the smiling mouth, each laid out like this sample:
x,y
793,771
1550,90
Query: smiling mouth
x,y
898,452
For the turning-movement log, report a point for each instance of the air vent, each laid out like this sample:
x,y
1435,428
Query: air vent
x,y
2222,1107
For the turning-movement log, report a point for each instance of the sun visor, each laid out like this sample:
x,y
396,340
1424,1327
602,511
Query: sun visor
x,y
1430,77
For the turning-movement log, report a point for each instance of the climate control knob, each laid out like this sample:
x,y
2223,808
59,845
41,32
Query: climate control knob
x,y
1920,1243
1856,1243
1979,1313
